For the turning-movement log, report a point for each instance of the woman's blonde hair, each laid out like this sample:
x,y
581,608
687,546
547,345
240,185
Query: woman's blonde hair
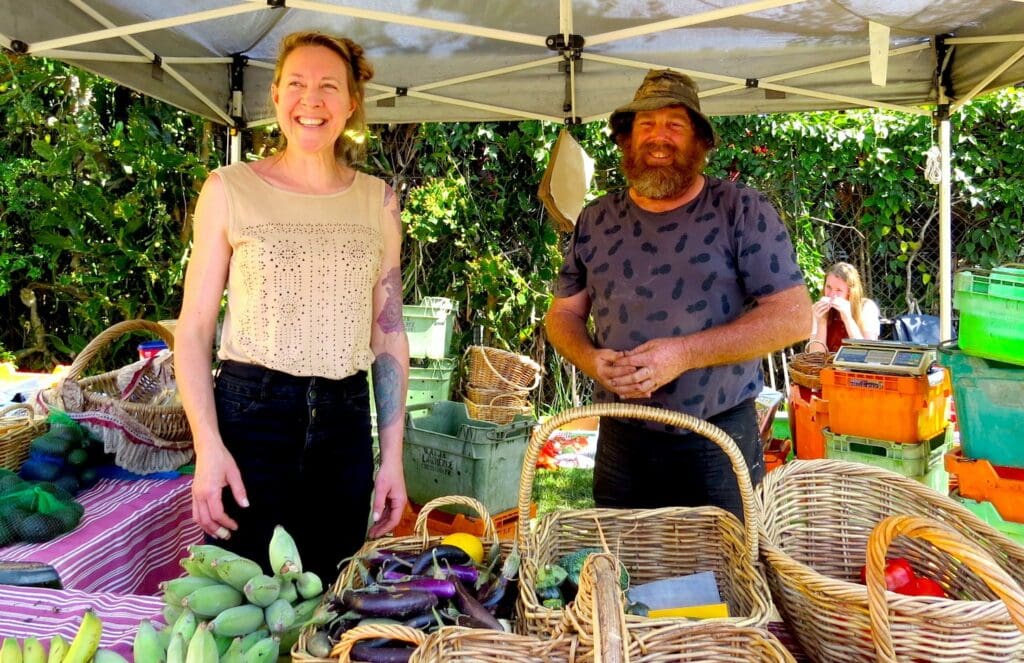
x,y
851,277
351,145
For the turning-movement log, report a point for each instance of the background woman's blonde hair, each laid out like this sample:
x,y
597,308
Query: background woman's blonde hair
x,y
351,145
851,277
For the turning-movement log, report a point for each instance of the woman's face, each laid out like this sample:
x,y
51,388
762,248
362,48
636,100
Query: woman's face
x,y
312,100
836,287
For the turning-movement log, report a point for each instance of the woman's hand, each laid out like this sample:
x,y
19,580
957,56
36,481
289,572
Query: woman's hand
x,y
843,307
821,308
216,469
389,499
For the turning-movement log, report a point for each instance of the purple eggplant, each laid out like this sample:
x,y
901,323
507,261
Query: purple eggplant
x,y
367,653
493,592
435,556
468,605
443,589
388,604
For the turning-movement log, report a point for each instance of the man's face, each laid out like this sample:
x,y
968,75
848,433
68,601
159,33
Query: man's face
x,y
663,155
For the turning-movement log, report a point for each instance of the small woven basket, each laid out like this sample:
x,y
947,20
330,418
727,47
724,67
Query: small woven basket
x,y
651,543
918,615
16,432
597,617
491,368
818,519
454,644
805,367
342,651
419,541
505,397
497,411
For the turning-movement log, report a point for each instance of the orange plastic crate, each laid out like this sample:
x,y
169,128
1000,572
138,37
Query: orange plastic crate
x,y
982,481
776,452
897,408
440,523
807,418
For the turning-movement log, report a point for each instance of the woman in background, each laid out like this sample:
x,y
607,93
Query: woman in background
x,y
843,311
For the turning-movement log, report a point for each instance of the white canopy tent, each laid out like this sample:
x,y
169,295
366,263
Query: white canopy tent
x,y
557,60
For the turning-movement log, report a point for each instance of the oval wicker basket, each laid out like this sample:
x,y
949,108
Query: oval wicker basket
x,y
651,543
16,433
506,397
818,519
497,412
491,368
805,368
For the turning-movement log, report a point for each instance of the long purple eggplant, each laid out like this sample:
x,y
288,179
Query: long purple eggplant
x,y
367,653
468,605
436,555
388,604
441,588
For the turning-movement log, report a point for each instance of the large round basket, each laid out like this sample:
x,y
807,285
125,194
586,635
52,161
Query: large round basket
x,y
491,368
818,519
651,543
18,427
500,410
805,367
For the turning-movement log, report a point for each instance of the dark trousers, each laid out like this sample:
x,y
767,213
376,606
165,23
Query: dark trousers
x,y
303,447
639,468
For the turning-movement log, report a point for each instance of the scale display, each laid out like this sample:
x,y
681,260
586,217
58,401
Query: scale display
x,y
885,357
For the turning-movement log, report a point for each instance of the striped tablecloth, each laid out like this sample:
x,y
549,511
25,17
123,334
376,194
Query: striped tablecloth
x,y
130,539
43,613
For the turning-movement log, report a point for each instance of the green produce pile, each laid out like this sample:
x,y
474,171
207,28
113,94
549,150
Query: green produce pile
x,y
66,455
227,609
34,511
558,583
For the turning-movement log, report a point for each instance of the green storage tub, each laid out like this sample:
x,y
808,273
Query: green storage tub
x,y
991,306
921,461
428,326
447,453
989,400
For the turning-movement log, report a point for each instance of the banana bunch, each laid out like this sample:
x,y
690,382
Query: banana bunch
x,y
83,648
227,609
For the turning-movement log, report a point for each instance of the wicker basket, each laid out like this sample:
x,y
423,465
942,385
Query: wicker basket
x,y
991,618
818,518
420,540
16,432
145,434
497,411
651,543
506,397
453,644
804,368
597,617
491,368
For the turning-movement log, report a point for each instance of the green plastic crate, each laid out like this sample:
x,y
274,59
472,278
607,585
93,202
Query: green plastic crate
x,y
921,461
991,306
989,400
987,512
447,453
428,326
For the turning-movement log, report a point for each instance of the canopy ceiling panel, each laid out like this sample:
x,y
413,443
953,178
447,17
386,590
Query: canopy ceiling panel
x,y
447,60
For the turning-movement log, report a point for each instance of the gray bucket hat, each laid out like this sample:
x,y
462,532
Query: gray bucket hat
x,y
662,88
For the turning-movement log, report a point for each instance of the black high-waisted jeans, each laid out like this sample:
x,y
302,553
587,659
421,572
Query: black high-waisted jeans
x,y
639,468
303,447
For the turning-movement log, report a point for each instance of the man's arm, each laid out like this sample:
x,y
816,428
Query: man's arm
x,y
778,321
566,326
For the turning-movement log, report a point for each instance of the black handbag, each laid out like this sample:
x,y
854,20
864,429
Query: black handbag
x,y
916,327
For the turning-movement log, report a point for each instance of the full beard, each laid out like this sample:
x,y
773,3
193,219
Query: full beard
x,y
663,182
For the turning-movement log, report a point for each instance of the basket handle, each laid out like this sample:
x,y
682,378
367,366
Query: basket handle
x,y
420,528
14,407
483,353
349,638
751,512
943,538
106,336
599,600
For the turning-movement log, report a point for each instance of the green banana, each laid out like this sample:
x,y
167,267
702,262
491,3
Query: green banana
x,y
205,553
288,591
240,620
177,589
32,651
147,647
279,615
185,626
10,651
304,609
309,585
58,648
236,571
202,648
254,637
288,639
262,590
213,600
284,554
86,641
197,569
264,651
233,653
108,656
223,642
176,649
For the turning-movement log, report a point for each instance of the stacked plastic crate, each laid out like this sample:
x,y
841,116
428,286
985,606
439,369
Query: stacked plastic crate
x,y
988,388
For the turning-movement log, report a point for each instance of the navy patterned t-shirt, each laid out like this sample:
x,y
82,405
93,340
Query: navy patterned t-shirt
x,y
657,275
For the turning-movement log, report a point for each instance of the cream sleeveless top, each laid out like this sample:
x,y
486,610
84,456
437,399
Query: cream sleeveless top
x,y
301,276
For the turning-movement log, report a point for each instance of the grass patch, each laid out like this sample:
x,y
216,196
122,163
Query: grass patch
x,y
564,488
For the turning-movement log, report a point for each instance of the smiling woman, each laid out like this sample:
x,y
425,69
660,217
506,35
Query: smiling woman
x,y
308,250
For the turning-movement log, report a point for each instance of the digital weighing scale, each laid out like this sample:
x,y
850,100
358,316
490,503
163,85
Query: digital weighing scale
x,y
892,357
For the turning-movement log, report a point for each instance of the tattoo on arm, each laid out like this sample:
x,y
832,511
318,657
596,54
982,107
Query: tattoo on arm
x,y
390,317
387,380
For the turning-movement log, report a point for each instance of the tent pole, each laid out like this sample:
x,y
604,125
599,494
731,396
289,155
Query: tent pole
x,y
234,154
945,233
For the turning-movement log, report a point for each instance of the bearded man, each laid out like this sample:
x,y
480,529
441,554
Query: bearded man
x,y
690,281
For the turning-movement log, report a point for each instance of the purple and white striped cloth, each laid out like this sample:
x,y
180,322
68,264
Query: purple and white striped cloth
x,y
129,540
43,613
